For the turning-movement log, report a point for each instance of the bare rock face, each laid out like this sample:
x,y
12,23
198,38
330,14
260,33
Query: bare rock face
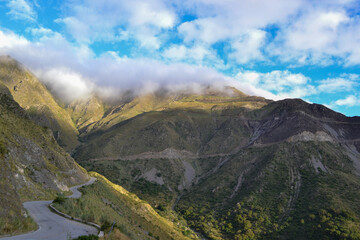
x,y
309,136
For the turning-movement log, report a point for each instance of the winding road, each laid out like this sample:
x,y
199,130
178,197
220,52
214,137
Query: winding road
x,y
51,225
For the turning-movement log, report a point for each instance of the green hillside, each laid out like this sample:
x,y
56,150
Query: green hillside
x,y
38,102
238,167
32,165
106,203
225,164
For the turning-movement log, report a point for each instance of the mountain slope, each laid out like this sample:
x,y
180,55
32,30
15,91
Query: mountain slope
x,y
106,203
32,165
244,168
38,102
192,123
109,113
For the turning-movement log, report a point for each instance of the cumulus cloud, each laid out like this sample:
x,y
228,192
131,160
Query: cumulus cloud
x,y
117,20
197,54
221,20
319,34
21,10
247,47
283,83
9,40
340,84
297,32
67,84
177,44
306,32
349,101
74,72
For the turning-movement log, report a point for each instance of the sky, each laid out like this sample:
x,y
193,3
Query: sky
x,y
277,49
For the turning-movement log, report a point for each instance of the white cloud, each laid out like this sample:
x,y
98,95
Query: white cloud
x,y
151,13
247,47
9,40
306,33
74,71
78,29
296,32
117,20
197,54
317,35
221,20
67,84
316,31
340,84
21,10
349,101
178,52
283,84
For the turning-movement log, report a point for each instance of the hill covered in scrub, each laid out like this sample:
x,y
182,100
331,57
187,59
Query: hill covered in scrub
x,y
225,164
108,205
38,102
32,165
235,166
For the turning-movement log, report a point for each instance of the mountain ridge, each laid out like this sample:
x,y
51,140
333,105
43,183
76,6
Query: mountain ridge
x,y
233,166
39,103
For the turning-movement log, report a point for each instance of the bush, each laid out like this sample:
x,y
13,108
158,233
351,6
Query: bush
x,y
89,237
160,207
60,199
106,225
3,149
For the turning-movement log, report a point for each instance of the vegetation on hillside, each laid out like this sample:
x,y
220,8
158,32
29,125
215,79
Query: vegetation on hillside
x,y
38,102
32,166
232,166
282,196
112,207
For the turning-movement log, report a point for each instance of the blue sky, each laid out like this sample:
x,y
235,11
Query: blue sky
x,y
272,48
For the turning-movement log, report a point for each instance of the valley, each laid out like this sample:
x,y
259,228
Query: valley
x,y
170,164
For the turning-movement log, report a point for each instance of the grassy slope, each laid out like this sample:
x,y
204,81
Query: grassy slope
x,y
194,130
31,161
105,203
41,106
86,112
267,205
32,166
118,112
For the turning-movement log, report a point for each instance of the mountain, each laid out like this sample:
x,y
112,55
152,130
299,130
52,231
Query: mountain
x,y
38,102
235,166
32,165
228,165
162,114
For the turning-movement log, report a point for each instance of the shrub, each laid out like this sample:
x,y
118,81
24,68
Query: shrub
x,y
89,237
3,149
60,199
